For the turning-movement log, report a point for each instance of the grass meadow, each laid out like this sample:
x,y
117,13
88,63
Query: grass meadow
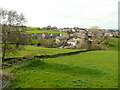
x,y
35,30
29,51
93,69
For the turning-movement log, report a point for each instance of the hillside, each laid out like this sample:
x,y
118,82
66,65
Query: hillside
x,y
93,69
113,43
29,51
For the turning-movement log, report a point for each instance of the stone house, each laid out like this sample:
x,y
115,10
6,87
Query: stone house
x,y
108,34
46,35
79,35
54,35
65,35
82,31
60,40
72,42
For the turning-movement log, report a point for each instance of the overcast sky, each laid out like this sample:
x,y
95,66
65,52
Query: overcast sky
x,y
67,13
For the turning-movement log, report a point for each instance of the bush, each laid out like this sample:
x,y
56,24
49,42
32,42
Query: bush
x,y
106,42
47,43
83,44
111,44
54,46
34,41
98,47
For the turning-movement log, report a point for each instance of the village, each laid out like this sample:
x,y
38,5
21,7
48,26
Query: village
x,y
73,37
59,44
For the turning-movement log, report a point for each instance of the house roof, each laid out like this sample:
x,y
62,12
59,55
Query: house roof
x,y
71,40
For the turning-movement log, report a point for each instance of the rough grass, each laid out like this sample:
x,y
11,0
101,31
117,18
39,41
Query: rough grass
x,y
94,69
37,30
29,50
113,44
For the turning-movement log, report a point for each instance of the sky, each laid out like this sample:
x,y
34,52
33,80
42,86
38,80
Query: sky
x,y
66,13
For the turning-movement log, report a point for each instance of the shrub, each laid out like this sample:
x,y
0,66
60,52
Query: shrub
x,y
47,43
106,42
6,77
111,44
34,41
54,46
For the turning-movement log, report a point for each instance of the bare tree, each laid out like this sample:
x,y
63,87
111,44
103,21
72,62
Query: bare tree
x,y
18,38
10,21
95,31
96,38
47,42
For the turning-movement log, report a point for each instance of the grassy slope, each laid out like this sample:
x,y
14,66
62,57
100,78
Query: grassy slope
x,y
42,31
35,30
30,50
94,69
90,70
114,44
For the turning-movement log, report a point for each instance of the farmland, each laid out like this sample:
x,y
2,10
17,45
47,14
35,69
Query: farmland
x,y
43,31
56,49
35,30
29,50
93,69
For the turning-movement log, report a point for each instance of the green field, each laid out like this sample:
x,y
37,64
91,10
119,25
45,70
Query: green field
x,y
38,30
113,44
29,50
42,31
93,69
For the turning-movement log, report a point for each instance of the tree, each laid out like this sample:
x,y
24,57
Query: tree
x,y
54,28
96,38
11,18
49,43
94,30
87,41
49,27
18,38
76,28
11,36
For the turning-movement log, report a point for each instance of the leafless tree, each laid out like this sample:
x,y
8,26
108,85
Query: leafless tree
x,y
11,36
96,38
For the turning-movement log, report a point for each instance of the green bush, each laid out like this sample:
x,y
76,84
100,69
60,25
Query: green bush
x,y
111,44
54,46
34,41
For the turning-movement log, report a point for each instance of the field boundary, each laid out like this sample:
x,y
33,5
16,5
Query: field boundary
x,y
20,59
